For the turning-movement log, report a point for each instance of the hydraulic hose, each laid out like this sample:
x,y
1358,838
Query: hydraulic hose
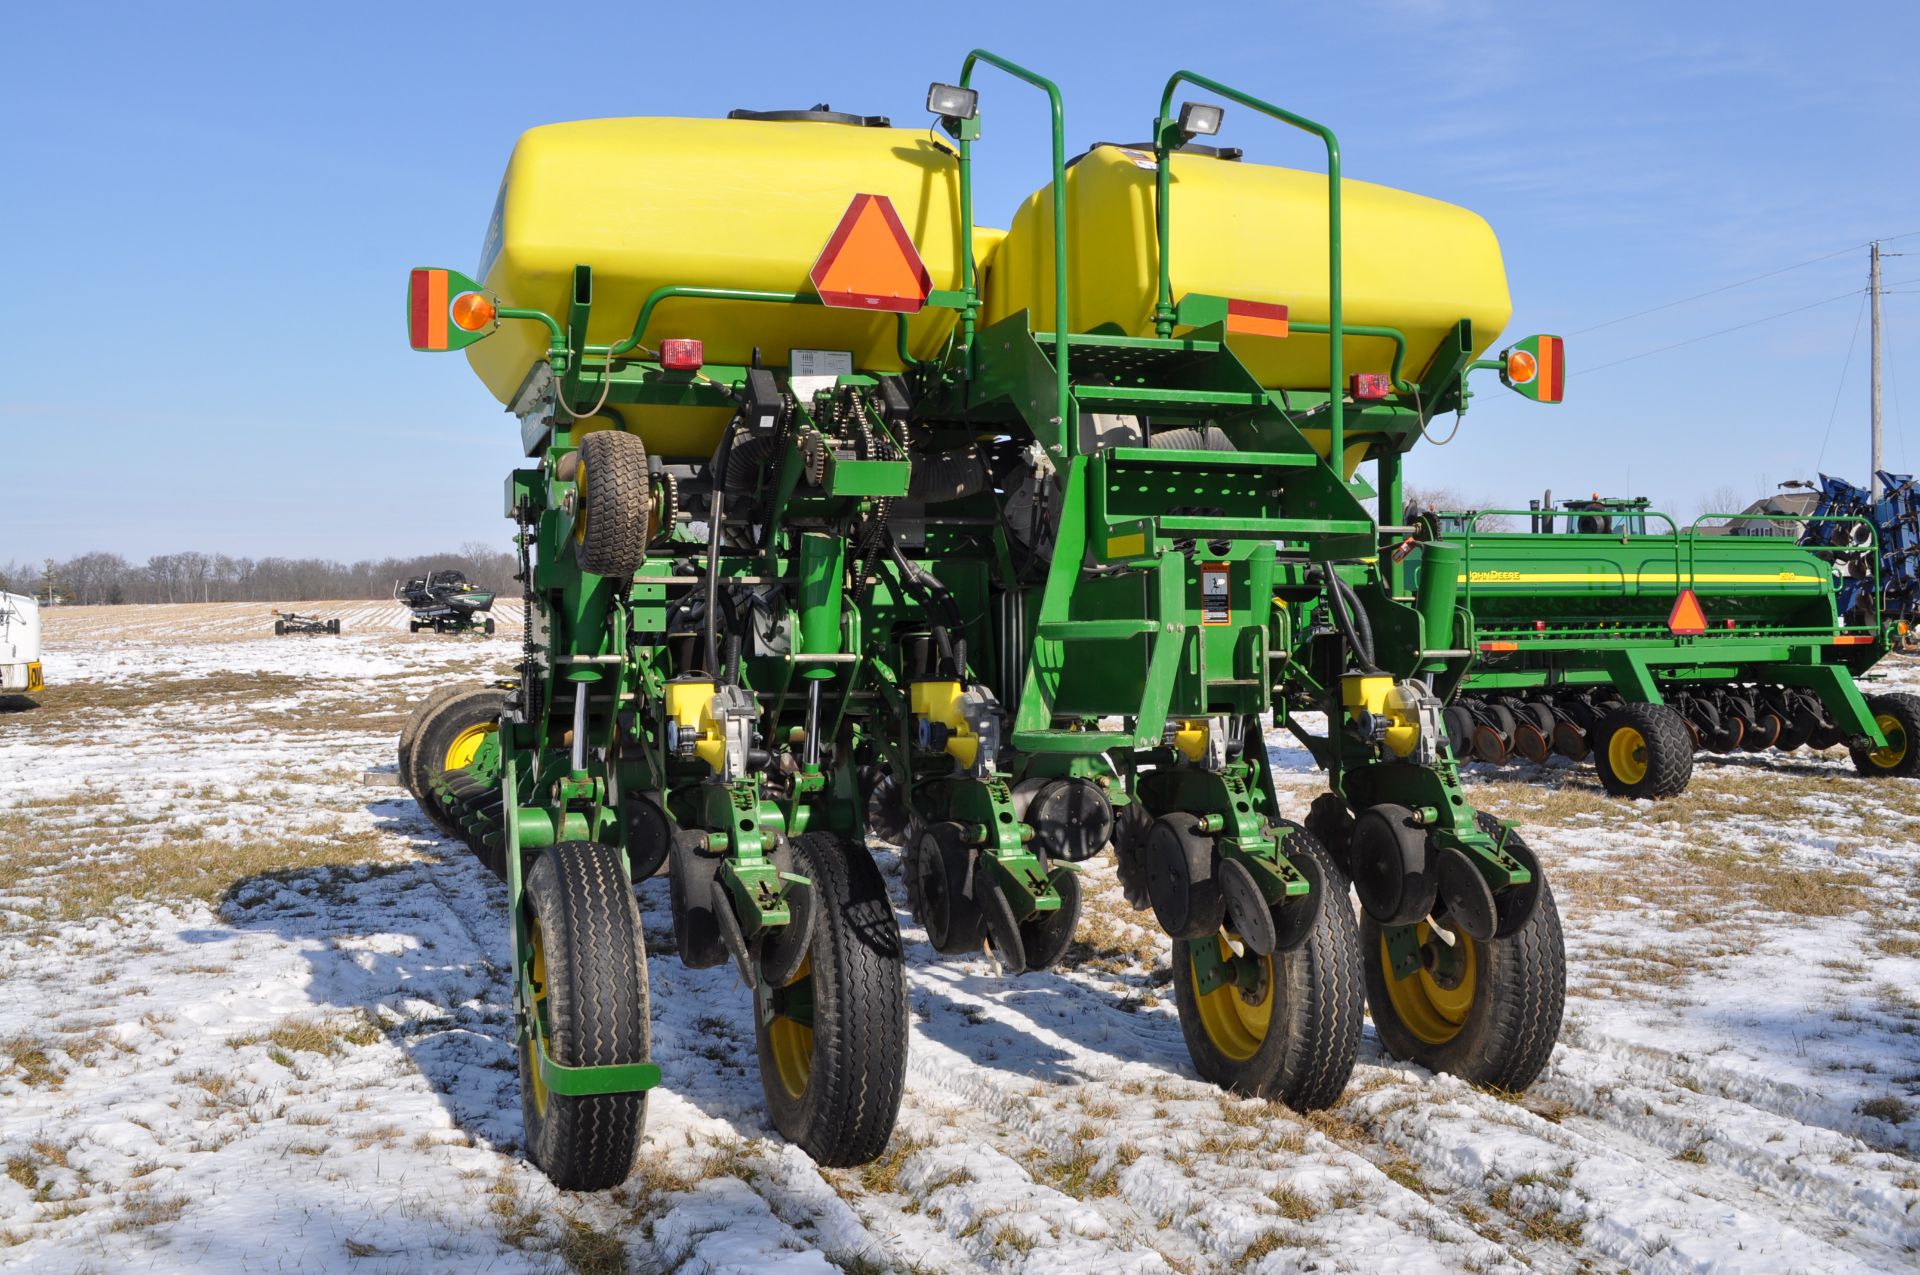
x,y
1351,619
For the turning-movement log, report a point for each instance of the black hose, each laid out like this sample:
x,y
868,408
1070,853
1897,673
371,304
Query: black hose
x,y
1351,619
929,591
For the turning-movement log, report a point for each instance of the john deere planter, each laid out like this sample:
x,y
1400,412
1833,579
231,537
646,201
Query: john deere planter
x,y
1608,631
843,517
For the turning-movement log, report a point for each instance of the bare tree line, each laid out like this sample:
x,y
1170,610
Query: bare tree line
x,y
106,579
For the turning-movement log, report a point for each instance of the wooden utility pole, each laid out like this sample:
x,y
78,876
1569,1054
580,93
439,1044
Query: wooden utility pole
x,y
1873,301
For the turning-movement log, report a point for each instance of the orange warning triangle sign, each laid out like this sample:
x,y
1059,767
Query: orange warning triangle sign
x,y
870,263
1687,619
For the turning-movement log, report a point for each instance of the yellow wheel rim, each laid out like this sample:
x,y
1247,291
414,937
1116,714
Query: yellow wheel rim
x,y
1234,1020
791,1043
466,745
537,942
1425,1006
1896,750
1627,753
580,498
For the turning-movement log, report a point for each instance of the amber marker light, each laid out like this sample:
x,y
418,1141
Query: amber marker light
x,y
472,311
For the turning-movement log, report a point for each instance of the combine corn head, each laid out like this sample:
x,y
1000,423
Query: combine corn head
x,y
998,548
1606,630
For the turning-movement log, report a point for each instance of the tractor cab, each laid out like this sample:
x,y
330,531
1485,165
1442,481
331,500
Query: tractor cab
x,y
1595,516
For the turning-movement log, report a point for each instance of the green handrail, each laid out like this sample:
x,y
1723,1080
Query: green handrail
x,y
1872,548
1060,325
1163,311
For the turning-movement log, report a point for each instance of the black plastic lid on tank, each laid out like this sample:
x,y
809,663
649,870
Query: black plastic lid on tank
x,y
819,113
1191,148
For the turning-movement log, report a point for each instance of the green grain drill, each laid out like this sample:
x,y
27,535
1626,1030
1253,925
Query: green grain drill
x,y
1608,630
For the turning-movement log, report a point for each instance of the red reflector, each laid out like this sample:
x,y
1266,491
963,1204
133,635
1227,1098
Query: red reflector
x,y
682,354
1539,626
1371,385
1687,619
1499,646
1731,624
1853,639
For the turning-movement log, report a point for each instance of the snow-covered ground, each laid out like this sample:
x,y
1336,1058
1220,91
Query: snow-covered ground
x,y
256,1018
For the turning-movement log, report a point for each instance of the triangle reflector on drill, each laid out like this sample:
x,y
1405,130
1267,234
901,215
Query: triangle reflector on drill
x,y
1687,619
870,263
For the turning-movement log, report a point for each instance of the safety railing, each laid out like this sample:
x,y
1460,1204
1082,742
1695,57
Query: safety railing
x,y
1163,315
1061,326
1871,548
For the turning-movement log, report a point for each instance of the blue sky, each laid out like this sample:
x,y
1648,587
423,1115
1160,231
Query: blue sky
x,y
209,210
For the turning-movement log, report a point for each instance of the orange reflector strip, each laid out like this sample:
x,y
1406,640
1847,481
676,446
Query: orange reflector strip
x,y
1553,370
1853,639
1256,318
1687,619
1499,646
436,309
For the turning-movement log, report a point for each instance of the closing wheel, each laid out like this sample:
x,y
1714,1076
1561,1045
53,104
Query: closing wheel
x,y
449,738
1284,1026
1045,936
1486,1011
940,880
612,503
833,1038
1643,750
1898,717
590,995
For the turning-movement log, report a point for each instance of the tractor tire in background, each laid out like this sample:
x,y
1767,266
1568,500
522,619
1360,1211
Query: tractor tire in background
x,y
489,626
614,502
1492,1020
279,628
450,735
1643,750
590,994
833,1039
411,731
1295,1034
1899,717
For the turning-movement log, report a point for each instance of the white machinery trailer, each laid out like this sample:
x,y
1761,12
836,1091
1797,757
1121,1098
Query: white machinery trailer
x,y
19,644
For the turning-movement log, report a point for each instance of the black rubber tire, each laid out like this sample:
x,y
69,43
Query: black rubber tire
x,y
1520,992
439,728
1669,750
857,1070
596,1014
1331,824
279,628
488,626
411,731
1905,710
611,521
1308,1052
333,626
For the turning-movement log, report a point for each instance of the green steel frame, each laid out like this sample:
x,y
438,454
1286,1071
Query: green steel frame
x,y
1109,624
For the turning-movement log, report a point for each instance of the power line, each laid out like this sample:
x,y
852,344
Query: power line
x,y
1841,388
1668,305
1850,292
